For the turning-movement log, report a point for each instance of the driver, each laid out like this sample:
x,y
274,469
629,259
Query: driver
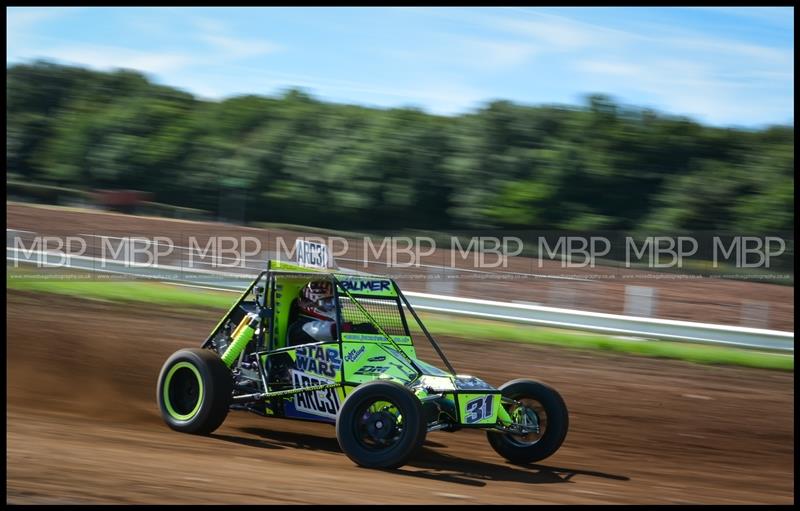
x,y
314,313
315,319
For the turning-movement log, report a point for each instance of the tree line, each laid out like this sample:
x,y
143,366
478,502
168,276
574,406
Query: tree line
x,y
296,159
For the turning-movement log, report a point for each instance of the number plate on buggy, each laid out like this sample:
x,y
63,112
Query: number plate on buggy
x,y
323,403
478,408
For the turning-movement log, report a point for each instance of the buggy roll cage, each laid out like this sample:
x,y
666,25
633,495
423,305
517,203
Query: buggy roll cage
x,y
266,313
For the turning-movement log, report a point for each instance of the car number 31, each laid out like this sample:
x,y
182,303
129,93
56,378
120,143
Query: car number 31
x,y
479,408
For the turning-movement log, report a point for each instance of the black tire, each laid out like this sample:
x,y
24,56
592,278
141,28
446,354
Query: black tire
x,y
350,426
555,430
194,391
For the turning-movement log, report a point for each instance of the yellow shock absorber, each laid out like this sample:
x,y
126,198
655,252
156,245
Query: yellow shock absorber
x,y
242,324
241,337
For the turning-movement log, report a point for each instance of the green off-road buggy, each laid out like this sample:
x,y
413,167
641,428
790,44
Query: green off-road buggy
x,y
366,378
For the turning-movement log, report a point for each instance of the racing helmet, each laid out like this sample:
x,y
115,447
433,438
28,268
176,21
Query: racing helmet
x,y
317,300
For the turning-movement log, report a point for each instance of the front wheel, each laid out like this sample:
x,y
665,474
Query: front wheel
x,y
380,425
194,391
542,412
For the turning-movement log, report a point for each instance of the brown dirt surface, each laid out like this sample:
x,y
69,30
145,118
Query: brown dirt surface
x,y
83,426
708,300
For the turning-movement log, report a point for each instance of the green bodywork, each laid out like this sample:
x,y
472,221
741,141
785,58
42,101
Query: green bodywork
x,y
321,375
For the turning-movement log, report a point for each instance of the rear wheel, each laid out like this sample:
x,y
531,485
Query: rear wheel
x,y
194,391
542,412
380,425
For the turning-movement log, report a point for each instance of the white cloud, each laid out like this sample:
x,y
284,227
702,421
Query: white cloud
x,y
220,47
782,17
563,33
560,32
107,57
475,53
21,22
497,55
688,87
218,36
728,47
209,25
26,16
603,67
234,48
555,35
16,17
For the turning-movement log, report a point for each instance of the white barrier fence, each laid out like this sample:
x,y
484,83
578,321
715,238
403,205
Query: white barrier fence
x,y
648,328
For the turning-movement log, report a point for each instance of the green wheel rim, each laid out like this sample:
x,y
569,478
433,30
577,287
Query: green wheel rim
x,y
165,393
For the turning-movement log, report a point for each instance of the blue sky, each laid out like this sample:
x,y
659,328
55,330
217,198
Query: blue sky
x,y
722,66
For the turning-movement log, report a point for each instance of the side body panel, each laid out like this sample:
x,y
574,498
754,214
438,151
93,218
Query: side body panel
x,y
306,366
367,361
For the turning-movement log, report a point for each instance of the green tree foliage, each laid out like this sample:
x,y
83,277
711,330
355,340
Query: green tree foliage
x,y
295,159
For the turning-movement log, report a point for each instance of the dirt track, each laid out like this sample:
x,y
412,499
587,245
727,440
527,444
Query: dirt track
x,y
83,426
